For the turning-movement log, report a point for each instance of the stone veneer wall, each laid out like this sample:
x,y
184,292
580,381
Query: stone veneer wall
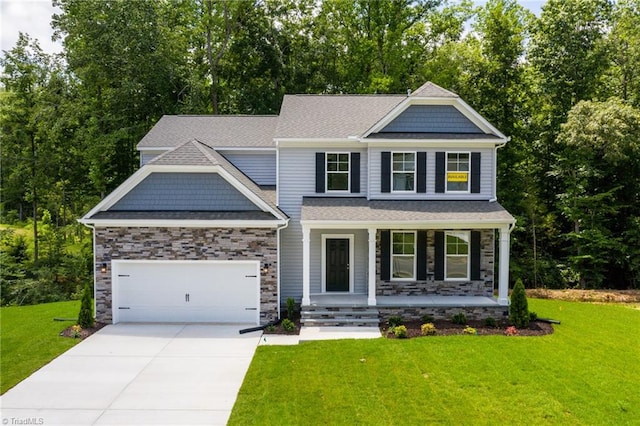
x,y
483,287
156,243
443,312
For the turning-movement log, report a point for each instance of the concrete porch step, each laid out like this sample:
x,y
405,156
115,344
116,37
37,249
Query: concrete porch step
x,y
339,316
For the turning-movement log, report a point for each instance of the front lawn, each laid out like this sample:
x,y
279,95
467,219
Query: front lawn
x,y
586,372
29,338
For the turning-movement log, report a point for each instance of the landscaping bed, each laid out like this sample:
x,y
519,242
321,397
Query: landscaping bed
x,y
448,328
82,333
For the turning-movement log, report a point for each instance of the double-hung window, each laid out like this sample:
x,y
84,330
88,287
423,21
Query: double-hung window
x,y
457,255
458,167
403,255
338,171
404,171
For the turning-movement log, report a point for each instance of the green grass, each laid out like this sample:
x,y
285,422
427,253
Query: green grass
x,y
586,372
29,338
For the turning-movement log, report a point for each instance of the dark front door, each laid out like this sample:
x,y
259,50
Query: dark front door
x,y
337,264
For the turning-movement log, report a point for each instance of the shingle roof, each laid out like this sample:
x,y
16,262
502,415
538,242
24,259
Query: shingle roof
x,y
332,116
363,210
436,136
432,90
182,215
214,130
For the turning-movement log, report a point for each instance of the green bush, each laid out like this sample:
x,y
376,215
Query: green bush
x,y
427,318
428,329
470,330
490,322
395,321
288,325
400,331
459,318
533,316
519,309
291,307
85,318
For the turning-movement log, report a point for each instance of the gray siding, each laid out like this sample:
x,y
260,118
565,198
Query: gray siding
x,y
259,166
486,176
297,179
184,192
432,119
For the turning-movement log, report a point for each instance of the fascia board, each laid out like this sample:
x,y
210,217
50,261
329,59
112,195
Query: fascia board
x,y
145,223
477,119
435,143
418,224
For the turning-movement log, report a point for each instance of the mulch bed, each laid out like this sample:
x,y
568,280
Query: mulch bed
x,y
84,333
447,328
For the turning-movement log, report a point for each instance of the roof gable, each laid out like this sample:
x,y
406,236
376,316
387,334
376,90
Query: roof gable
x,y
431,119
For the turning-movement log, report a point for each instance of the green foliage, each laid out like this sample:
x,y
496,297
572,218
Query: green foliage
x,y
291,306
427,318
288,325
428,329
459,318
519,308
400,331
532,316
85,317
395,321
470,330
490,322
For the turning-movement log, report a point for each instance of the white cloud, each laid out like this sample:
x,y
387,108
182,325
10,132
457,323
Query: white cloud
x,y
28,16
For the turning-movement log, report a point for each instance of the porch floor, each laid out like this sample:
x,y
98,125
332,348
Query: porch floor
x,y
360,300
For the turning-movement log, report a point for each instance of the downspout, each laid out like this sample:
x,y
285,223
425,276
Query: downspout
x,y
495,170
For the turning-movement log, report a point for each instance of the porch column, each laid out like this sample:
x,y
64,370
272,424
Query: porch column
x,y
503,274
306,299
371,300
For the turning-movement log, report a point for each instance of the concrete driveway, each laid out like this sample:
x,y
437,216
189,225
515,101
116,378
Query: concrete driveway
x,y
138,374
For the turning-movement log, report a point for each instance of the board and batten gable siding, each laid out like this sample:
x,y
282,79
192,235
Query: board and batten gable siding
x,y
258,166
297,179
360,248
486,175
182,192
431,119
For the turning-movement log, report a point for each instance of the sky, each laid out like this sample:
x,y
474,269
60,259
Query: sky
x,y
34,17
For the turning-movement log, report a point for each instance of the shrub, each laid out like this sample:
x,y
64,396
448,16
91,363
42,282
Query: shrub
x,y
470,330
288,325
400,331
85,317
533,316
519,310
427,318
511,331
271,328
395,321
459,318
428,329
76,331
490,322
291,306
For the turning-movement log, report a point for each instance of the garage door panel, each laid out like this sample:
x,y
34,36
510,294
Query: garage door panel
x,y
198,291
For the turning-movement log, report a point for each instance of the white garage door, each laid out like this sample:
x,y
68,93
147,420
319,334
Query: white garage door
x,y
186,291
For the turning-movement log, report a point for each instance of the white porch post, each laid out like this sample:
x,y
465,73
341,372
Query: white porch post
x,y
306,299
503,275
371,300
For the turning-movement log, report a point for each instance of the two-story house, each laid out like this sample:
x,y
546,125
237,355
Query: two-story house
x,y
356,206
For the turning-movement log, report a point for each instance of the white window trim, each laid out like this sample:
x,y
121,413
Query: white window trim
x,y
446,172
326,173
323,267
415,255
415,163
468,255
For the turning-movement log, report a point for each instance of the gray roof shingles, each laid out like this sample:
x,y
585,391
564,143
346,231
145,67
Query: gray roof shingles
x,y
363,210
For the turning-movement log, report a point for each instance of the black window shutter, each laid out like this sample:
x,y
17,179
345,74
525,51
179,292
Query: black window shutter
x,y
438,270
475,255
440,172
421,174
385,185
475,172
421,252
355,172
385,255
320,166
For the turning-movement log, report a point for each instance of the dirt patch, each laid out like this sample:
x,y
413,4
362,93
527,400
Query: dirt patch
x,y
279,329
447,328
593,296
82,333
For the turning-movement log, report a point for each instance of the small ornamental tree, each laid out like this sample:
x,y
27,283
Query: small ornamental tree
x,y
85,318
519,310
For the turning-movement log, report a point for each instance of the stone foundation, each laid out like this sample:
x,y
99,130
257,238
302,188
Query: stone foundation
x,y
156,243
443,312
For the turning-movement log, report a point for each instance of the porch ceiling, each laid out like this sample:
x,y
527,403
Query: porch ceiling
x,y
422,213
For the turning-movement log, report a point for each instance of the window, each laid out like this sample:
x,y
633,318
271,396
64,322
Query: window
x,y
338,171
457,255
404,171
403,255
458,172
